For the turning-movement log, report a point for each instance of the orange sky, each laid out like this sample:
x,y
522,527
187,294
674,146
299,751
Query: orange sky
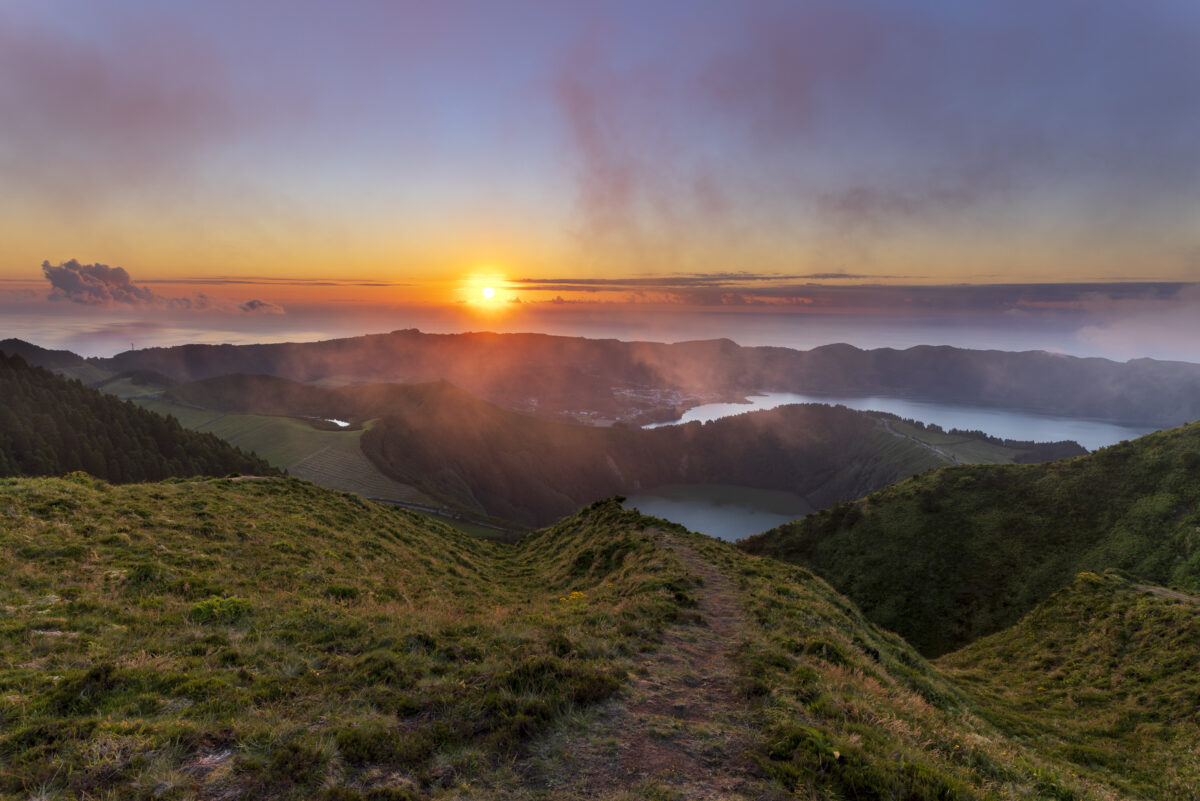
x,y
418,144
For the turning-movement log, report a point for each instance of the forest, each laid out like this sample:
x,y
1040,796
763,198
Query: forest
x,y
51,426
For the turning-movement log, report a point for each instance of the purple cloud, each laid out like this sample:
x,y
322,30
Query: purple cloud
x,y
261,306
94,284
101,285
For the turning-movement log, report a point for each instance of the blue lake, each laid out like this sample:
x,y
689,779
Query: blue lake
x,y
720,510
1004,423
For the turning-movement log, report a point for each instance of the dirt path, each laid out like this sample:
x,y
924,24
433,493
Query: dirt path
x,y
1163,592
683,731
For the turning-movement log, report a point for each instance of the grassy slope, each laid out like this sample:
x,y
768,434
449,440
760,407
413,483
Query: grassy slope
x,y
125,388
328,457
268,638
967,450
269,635
954,554
848,710
282,441
1102,675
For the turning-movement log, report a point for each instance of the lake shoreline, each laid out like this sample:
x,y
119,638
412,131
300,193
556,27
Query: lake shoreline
x,y
1014,424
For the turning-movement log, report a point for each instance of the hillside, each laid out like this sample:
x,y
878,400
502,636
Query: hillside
x,y
950,555
270,639
1101,675
553,376
52,426
41,357
477,456
62,362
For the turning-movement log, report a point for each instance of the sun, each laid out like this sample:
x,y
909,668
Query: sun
x,y
488,293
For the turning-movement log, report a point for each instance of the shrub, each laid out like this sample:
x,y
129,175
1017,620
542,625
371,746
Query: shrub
x,y
341,592
219,610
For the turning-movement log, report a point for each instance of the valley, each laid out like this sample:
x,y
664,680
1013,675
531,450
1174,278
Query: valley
x,y
279,419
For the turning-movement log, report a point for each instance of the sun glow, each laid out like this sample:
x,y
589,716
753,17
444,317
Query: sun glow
x,y
486,290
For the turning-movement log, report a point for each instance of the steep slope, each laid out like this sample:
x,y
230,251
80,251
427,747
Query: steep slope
x,y
1103,676
951,555
269,639
549,375
478,456
52,426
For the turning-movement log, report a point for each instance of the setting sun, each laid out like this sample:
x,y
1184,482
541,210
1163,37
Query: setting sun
x,y
488,293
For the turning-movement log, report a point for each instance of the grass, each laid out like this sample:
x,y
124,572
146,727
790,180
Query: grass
x,y
87,373
329,457
966,450
273,639
127,389
272,636
847,710
1101,677
954,554
188,416
282,441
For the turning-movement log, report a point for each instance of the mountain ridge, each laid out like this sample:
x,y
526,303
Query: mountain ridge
x,y
552,375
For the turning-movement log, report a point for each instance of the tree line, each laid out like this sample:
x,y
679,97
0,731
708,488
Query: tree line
x,y
50,425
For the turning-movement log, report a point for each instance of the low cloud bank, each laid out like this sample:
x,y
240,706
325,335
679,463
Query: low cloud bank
x,y
101,285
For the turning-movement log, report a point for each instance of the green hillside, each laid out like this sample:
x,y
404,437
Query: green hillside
x,y
1103,676
266,638
50,426
953,554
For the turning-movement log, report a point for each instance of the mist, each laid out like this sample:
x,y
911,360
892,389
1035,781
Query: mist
x,y
1160,331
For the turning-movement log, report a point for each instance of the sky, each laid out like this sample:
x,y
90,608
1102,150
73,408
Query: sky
x,y
1011,174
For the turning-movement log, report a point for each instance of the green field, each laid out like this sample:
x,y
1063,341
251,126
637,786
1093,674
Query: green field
x,y
126,388
282,441
87,373
188,416
330,458
965,450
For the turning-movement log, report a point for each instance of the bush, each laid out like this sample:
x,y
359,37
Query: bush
x,y
341,592
219,610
